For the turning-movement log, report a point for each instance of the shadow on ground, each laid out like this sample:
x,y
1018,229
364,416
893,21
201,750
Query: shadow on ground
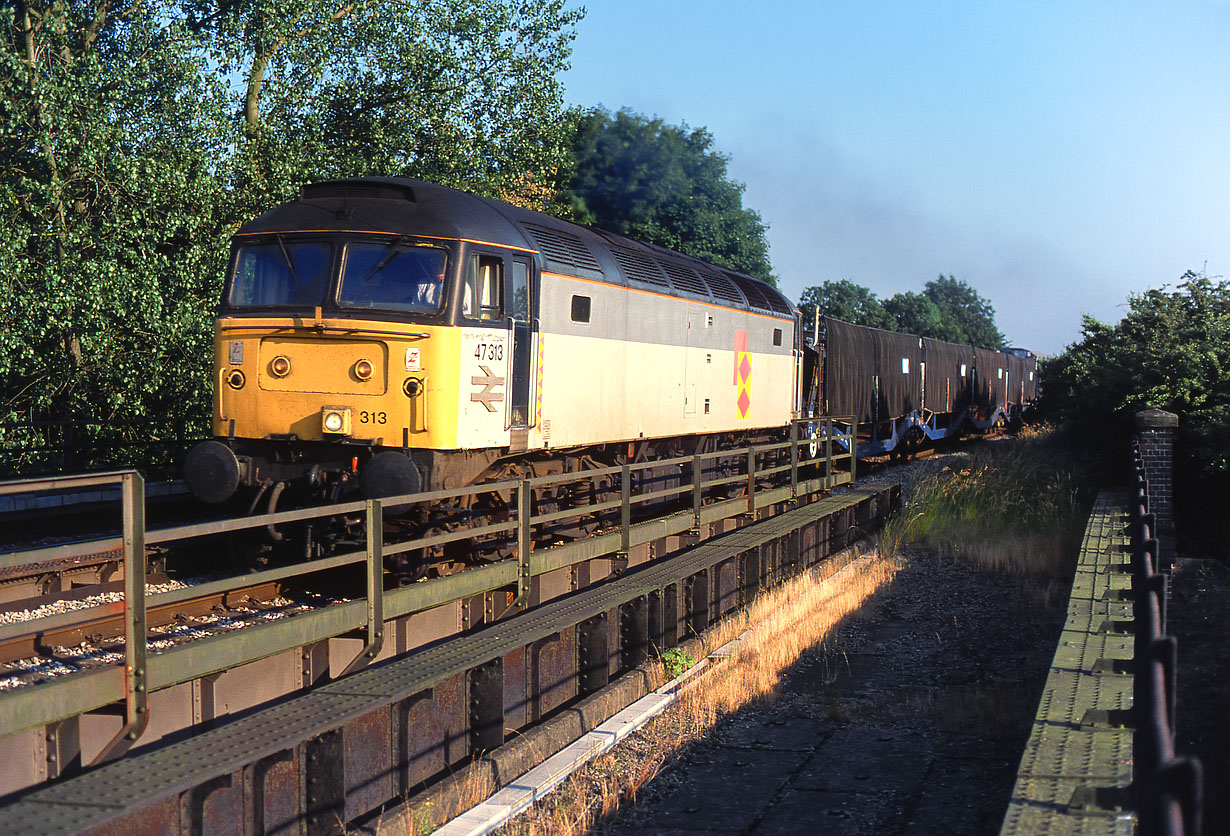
x,y
910,719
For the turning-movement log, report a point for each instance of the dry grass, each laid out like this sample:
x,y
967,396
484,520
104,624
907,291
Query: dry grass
x,y
1017,507
476,787
784,623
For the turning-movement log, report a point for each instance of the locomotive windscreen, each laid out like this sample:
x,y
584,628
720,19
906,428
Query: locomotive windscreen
x,y
393,277
281,273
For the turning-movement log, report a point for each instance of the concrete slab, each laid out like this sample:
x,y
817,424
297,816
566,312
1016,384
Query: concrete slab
x,y
947,800
726,790
874,760
828,813
797,734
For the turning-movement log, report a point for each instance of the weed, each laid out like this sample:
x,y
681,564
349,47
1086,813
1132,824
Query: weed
x,y
1017,507
675,661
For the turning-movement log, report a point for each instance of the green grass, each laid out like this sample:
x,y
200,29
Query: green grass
x,y
1015,506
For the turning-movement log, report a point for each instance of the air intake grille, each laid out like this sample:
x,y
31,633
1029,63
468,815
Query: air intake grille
x,y
684,278
638,266
722,287
764,298
564,248
755,296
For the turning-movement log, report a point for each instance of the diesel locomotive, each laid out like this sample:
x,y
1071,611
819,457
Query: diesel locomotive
x,y
385,336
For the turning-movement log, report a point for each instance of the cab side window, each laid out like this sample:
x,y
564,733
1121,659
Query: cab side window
x,y
484,288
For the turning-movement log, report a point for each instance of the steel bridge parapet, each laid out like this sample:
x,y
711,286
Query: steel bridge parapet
x,y
1101,759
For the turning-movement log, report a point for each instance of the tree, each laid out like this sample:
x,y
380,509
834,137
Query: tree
x,y
846,301
465,94
917,314
666,185
135,136
972,314
1170,351
110,126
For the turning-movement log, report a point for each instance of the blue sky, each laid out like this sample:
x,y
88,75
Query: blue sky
x,y
1056,156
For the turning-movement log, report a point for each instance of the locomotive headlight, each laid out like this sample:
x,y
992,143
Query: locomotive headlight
x,y
280,366
235,379
412,387
335,420
363,370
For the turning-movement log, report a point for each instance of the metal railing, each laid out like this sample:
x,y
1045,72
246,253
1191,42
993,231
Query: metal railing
x,y
1168,789
759,476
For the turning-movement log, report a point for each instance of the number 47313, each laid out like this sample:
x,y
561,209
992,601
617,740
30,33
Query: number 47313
x,y
489,351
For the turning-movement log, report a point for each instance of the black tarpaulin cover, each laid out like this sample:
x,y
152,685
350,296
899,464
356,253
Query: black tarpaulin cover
x,y
950,368
855,356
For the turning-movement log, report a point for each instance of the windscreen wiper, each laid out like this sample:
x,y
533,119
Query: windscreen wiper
x,y
390,254
282,246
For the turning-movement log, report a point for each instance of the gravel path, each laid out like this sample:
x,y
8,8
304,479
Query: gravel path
x,y
910,720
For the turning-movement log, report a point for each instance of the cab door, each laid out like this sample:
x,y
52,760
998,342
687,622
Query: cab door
x,y
522,295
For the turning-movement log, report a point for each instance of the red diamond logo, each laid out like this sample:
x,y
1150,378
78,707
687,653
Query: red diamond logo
x,y
745,402
745,369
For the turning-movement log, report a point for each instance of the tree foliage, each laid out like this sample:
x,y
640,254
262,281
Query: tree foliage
x,y
1170,351
110,127
847,301
971,314
947,309
664,184
135,136
915,313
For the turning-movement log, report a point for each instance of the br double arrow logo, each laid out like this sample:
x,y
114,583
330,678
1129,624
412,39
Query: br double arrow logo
x,y
487,396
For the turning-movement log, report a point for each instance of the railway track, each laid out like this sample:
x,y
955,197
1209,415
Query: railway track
x,y
95,618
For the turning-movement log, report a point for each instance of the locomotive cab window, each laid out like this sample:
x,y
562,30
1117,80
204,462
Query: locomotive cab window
x,y
483,298
777,336
280,273
520,291
393,276
580,308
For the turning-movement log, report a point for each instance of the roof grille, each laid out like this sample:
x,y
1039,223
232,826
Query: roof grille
x,y
684,278
755,296
722,287
564,248
760,296
638,266
355,188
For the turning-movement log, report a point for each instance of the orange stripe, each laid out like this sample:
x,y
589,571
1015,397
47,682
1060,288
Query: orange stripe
x,y
391,234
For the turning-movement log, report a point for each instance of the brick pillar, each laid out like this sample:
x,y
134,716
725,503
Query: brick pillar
x,y
1155,431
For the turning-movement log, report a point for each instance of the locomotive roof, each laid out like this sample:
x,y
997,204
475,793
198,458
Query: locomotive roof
x,y
401,206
